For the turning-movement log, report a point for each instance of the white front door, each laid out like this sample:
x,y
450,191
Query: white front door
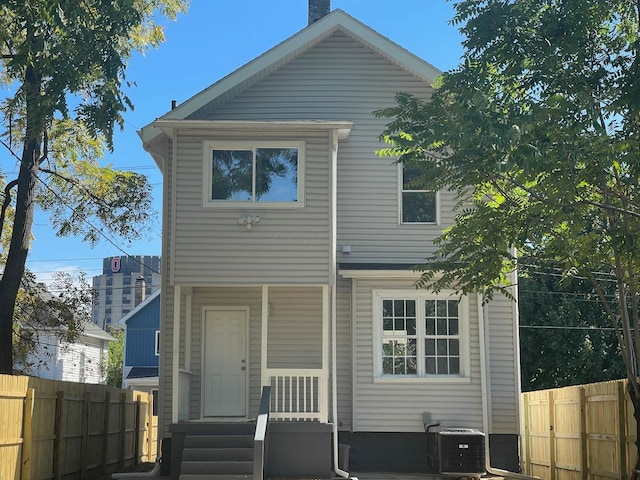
x,y
225,363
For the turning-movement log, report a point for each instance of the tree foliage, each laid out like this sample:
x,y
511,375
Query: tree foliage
x,y
63,307
565,334
63,65
112,368
537,133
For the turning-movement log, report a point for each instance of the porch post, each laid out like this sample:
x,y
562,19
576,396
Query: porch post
x,y
263,336
175,362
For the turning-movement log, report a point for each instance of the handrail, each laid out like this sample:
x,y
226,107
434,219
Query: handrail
x,y
260,438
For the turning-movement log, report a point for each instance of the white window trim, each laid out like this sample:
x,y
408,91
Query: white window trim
x,y
420,297
157,343
207,166
401,190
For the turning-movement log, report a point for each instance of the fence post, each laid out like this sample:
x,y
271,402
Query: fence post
x,y
57,436
123,428
136,431
584,458
105,432
150,457
622,430
84,441
28,434
552,437
526,441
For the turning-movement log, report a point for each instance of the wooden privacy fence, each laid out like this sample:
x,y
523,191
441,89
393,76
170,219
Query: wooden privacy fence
x,y
581,432
51,429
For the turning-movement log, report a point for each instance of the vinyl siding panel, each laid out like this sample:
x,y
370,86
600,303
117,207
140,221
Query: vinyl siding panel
x,y
344,354
289,244
341,80
503,367
398,406
141,336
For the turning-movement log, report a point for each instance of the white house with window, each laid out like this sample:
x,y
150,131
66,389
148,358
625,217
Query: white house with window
x,y
288,247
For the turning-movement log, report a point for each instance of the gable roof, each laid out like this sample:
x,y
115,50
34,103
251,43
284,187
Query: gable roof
x,y
261,67
139,307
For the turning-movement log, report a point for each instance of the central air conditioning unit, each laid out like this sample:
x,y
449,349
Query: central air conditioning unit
x,y
460,452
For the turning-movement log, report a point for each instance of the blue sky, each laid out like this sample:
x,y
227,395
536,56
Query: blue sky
x,y
213,39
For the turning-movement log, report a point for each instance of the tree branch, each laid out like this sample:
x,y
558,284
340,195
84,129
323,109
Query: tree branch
x,y
6,202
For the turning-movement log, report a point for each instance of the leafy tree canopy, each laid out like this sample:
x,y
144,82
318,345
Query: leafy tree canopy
x,y
537,131
63,67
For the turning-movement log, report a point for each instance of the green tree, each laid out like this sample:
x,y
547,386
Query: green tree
x,y
565,334
64,304
112,368
537,132
63,65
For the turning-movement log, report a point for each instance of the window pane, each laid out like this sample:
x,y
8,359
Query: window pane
x,y
443,365
232,175
430,346
431,365
453,308
277,174
454,365
441,308
430,308
411,326
387,324
418,207
442,347
441,326
387,365
454,347
387,308
398,308
431,326
412,366
411,308
453,326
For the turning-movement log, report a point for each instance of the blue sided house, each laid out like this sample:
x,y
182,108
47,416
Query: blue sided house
x,y
141,347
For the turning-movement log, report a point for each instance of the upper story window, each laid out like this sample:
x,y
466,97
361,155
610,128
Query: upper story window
x,y
417,205
268,173
421,335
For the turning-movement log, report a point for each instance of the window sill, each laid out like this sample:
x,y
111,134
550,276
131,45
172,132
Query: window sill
x,y
422,380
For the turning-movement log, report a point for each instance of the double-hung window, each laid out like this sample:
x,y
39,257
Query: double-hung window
x,y
421,335
268,172
417,204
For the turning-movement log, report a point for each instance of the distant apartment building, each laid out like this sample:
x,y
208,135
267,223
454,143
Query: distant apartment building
x,y
125,282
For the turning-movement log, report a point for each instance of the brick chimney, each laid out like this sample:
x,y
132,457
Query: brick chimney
x,y
140,293
318,9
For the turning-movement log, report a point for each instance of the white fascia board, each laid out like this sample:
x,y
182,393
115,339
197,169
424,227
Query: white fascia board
x,y
139,307
295,46
343,127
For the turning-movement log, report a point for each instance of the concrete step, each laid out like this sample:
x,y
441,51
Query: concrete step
x,y
217,454
193,476
217,467
218,441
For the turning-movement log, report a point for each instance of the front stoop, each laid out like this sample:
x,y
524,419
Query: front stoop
x,y
218,451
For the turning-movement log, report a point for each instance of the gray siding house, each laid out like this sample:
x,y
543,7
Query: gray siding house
x,y
287,248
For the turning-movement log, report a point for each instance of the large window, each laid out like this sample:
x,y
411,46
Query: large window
x,y
266,173
420,335
417,204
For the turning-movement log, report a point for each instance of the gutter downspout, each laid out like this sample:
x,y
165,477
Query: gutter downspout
x,y
334,307
485,393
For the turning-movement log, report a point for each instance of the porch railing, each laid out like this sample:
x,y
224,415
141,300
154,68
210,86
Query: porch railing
x,y
298,394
